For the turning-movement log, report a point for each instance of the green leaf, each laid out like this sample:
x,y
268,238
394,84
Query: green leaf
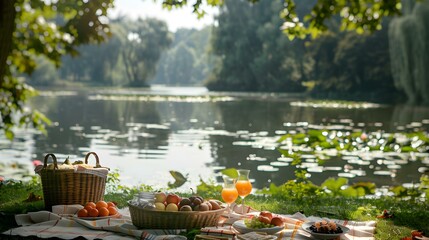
x,y
407,149
9,134
230,172
349,192
179,179
368,187
334,185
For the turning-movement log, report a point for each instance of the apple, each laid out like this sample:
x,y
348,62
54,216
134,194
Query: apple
x,y
264,220
159,206
186,208
197,201
160,197
185,201
203,207
172,207
173,198
209,204
276,221
267,214
215,205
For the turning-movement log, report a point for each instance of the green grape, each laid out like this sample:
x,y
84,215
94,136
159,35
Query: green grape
x,y
256,224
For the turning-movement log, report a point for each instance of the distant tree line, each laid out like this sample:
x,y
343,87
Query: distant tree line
x,y
246,51
128,58
255,56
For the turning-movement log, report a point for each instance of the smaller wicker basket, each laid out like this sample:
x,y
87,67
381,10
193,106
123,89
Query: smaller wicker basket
x,y
152,219
65,186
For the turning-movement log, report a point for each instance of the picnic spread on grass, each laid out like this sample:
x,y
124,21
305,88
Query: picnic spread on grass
x,y
74,192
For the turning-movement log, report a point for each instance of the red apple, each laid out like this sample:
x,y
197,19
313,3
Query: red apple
x,y
264,220
277,221
267,214
173,198
160,197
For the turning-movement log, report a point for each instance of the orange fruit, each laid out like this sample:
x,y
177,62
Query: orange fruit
x,y
101,204
89,205
103,212
112,210
82,213
93,212
110,204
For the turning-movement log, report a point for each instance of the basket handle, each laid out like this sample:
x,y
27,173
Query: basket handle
x,y
45,162
97,160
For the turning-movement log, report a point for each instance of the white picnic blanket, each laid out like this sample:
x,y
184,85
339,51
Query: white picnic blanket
x,y
59,223
292,230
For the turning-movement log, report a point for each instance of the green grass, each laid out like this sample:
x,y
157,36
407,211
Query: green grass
x,y
408,215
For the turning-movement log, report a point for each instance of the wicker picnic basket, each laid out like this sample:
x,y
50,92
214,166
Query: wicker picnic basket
x,y
153,219
67,186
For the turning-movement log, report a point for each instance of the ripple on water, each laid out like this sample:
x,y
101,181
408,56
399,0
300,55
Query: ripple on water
x,y
359,172
253,157
267,168
346,175
394,166
382,173
332,168
317,169
285,159
279,164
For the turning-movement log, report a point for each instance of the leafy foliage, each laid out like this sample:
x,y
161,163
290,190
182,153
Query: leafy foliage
x,y
360,16
209,189
247,59
188,61
354,140
146,40
43,28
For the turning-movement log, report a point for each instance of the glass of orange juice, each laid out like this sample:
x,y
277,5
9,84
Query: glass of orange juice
x,y
243,185
229,192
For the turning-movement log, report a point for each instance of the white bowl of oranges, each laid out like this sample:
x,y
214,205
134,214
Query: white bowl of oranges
x,y
98,210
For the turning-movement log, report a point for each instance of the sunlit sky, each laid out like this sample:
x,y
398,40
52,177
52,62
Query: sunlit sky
x,y
176,18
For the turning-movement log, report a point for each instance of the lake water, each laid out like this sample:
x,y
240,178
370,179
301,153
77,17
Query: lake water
x,y
146,133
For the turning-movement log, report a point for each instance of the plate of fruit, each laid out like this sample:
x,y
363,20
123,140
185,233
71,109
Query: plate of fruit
x,y
325,229
98,210
265,222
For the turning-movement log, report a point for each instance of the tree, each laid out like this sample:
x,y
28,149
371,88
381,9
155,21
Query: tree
x,y
146,41
96,63
360,16
53,28
249,60
188,61
31,28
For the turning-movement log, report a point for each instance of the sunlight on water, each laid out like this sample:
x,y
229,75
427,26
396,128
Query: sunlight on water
x,y
146,133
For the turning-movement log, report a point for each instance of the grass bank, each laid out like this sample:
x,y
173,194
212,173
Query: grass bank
x,y
408,214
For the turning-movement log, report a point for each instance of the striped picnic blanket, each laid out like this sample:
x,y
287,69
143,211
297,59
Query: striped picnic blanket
x,y
292,229
59,223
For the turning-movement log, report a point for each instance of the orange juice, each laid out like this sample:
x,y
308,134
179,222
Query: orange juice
x,y
229,195
244,187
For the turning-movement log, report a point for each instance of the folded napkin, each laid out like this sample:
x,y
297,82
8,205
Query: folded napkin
x,y
101,172
61,223
292,228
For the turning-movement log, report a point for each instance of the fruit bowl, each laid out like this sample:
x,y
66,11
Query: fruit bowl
x,y
241,227
306,227
155,219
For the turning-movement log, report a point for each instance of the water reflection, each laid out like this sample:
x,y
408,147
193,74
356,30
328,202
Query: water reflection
x,y
146,138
